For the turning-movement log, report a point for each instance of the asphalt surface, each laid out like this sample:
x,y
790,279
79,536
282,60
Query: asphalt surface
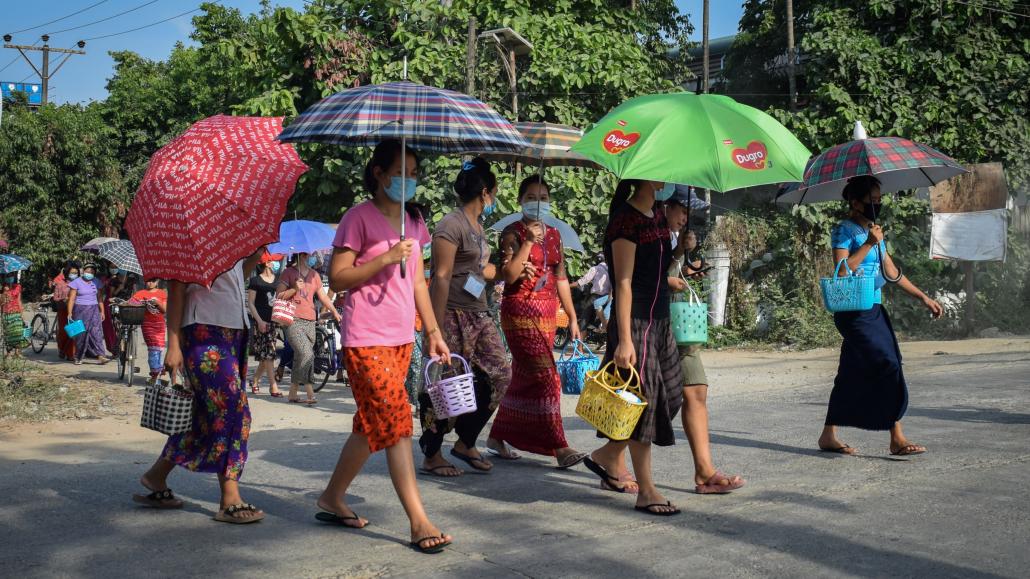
x,y
959,511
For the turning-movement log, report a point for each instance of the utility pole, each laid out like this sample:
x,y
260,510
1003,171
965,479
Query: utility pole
x,y
790,57
470,59
704,90
45,75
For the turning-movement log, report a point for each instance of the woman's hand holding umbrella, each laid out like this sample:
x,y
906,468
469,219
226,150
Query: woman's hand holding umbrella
x,y
399,252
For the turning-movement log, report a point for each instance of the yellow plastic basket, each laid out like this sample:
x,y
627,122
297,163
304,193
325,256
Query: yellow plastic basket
x,y
601,406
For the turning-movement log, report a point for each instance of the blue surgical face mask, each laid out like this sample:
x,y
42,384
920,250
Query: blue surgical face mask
x,y
312,261
666,192
115,271
393,190
73,276
87,276
275,265
488,210
536,210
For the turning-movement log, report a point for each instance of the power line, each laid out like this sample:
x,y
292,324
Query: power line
x,y
144,5
198,9
6,66
58,19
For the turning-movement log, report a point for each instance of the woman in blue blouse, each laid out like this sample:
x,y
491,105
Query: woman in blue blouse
x,y
869,391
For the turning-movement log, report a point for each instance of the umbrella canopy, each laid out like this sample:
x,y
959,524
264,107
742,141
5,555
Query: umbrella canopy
x,y
121,253
708,141
898,163
428,118
549,145
302,236
569,237
10,263
212,197
93,244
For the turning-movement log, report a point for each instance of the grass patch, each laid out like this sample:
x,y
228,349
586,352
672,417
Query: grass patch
x,y
29,394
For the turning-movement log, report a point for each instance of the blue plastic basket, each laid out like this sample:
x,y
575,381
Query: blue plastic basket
x,y
75,328
851,293
573,365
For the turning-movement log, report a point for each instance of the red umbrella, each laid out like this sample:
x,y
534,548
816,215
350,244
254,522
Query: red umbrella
x,y
212,197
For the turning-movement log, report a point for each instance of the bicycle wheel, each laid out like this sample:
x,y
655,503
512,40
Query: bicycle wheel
x,y
323,362
130,356
40,332
561,338
122,362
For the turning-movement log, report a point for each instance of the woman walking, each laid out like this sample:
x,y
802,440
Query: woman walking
x,y
461,271
533,266
84,306
694,414
639,252
302,284
869,391
65,344
366,264
13,322
260,295
207,341
154,329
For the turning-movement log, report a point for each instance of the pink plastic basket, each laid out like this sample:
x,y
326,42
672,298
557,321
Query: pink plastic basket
x,y
452,396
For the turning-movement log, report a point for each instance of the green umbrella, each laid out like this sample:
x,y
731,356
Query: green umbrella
x,y
709,141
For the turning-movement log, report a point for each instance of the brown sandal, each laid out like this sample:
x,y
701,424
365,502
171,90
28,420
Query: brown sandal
x,y
229,514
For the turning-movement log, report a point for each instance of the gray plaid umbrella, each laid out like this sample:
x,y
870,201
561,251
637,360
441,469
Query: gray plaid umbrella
x,y
121,253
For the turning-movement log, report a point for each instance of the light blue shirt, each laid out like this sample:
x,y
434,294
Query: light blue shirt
x,y
850,236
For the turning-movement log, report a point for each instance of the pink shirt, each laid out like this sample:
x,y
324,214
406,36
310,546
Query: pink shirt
x,y
381,312
305,298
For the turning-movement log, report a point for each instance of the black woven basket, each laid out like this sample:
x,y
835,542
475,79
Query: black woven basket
x,y
131,315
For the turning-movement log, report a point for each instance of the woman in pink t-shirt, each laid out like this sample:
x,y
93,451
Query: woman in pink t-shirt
x,y
378,314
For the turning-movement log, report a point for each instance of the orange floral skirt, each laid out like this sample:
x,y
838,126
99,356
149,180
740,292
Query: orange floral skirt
x,y
377,382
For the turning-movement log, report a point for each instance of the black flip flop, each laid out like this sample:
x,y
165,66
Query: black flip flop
x,y
603,474
327,517
648,510
159,500
432,471
839,450
417,545
471,460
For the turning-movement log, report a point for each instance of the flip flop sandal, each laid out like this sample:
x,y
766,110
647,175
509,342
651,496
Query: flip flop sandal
x,y
511,454
648,510
839,450
434,471
294,400
471,461
333,518
571,460
908,450
627,479
606,478
158,500
311,402
228,514
276,394
417,545
712,486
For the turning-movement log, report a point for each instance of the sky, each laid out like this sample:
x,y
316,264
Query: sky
x,y
84,77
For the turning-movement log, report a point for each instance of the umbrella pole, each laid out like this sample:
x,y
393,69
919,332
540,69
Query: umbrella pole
x,y
404,193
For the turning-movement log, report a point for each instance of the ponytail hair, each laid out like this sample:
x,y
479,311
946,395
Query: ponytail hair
x,y
627,188
475,175
384,156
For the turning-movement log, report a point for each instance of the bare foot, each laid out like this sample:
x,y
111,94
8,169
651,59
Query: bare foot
x,y
153,484
427,536
904,448
834,444
655,503
340,509
438,466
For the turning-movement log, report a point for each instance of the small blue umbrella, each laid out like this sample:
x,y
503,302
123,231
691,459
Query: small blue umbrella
x,y
10,263
301,236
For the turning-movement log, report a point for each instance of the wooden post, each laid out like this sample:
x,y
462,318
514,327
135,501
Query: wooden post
x,y
969,320
470,59
792,80
704,85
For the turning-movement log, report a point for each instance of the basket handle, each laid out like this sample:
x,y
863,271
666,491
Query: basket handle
x,y
836,270
436,360
694,298
581,346
565,351
632,385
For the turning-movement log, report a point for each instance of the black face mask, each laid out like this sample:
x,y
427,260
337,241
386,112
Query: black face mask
x,y
871,211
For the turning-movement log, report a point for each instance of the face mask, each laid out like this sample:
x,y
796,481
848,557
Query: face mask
x,y
871,211
488,210
87,276
115,271
73,276
536,210
312,261
393,191
666,192
275,265
428,274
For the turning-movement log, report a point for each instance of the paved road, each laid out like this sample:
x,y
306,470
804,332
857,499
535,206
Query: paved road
x,y
959,511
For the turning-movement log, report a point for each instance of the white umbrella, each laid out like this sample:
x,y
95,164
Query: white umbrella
x,y
569,237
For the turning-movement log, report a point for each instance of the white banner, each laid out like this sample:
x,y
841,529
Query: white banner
x,y
973,236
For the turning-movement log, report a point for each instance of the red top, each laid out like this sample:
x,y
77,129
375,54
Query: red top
x,y
305,298
153,322
11,299
523,288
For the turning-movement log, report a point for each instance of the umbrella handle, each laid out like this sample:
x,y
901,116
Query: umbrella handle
x,y
404,175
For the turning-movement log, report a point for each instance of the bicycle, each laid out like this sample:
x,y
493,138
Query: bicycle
x,y
128,318
43,330
327,360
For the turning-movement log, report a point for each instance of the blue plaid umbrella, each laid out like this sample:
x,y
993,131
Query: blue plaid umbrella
x,y
426,118
122,254
11,263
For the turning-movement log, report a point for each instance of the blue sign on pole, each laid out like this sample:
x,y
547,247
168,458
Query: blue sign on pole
x,y
34,90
